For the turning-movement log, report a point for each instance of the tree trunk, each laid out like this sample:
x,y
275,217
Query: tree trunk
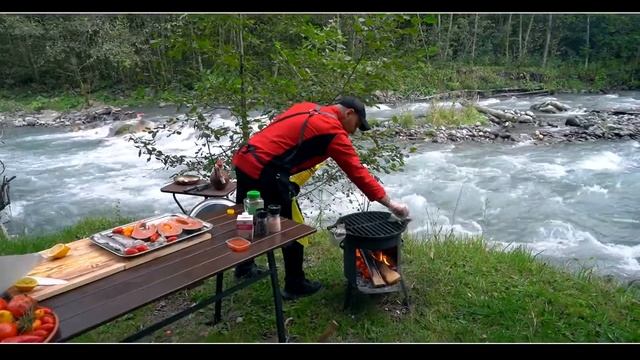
x,y
520,39
497,114
339,31
163,74
354,20
546,44
30,61
243,92
506,48
84,86
473,41
446,47
152,73
424,39
438,30
22,50
194,52
526,36
587,48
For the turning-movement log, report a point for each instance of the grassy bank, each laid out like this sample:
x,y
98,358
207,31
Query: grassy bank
x,y
424,79
84,228
409,80
460,290
29,100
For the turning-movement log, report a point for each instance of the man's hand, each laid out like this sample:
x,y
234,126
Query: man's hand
x,y
399,209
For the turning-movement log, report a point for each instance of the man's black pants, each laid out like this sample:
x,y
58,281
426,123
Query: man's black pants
x,y
274,189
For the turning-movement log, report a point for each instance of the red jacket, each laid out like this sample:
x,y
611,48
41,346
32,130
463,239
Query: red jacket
x,y
277,145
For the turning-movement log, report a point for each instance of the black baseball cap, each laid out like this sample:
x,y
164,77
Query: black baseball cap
x,y
357,105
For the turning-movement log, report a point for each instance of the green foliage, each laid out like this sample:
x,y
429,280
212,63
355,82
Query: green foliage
x,y
88,53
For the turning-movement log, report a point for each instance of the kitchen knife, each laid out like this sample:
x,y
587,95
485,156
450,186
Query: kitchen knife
x,y
197,187
44,281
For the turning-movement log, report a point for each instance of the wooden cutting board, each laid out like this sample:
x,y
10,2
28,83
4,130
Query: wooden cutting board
x,y
87,262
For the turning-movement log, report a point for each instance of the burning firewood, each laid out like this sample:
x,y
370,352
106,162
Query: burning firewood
x,y
390,276
376,278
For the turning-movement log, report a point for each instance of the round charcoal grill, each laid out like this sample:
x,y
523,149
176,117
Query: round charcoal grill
x,y
369,230
372,229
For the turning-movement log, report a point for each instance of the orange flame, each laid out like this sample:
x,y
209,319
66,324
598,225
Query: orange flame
x,y
381,257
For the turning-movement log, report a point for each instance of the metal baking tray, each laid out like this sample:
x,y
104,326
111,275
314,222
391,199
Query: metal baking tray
x,y
117,243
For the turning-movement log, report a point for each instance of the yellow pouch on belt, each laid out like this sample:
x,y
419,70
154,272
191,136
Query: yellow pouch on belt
x,y
301,178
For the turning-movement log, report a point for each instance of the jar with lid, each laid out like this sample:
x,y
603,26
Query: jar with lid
x,y
273,221
260,227
253,202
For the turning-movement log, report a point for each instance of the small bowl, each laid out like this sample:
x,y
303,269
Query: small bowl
x,y
238,244
55,328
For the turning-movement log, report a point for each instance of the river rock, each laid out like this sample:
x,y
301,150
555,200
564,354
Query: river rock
x,y
506,136
104,111
573,121
552,107
525,119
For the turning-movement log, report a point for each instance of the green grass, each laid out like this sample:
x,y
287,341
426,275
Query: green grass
x,y
31,103
461,291
440,115
404,120
431,78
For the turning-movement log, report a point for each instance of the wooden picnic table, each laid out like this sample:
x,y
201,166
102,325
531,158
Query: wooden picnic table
x,y
91,305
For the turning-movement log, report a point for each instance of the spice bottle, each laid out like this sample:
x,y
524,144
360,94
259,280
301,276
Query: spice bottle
x,y
260,229
273,221
253,202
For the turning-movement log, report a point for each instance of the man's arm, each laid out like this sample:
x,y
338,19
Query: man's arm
x,y
342,151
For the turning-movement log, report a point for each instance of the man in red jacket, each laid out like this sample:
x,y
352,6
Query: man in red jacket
x,y
303,136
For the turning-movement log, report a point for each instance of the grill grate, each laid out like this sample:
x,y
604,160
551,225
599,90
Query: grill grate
x,y
372,224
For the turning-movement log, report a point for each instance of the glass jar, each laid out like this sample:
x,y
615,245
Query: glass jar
x,y
273,221
260,226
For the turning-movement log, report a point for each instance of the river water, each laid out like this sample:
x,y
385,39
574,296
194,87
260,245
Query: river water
x,y
576,203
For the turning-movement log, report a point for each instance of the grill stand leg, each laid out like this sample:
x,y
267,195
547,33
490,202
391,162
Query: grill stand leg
x,y
349,273
347,296
406,294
